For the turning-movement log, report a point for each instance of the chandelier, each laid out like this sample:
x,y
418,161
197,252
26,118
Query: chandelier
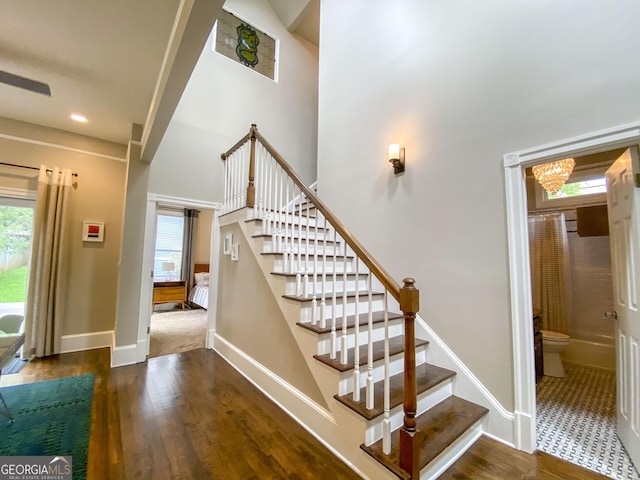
x,y
553,175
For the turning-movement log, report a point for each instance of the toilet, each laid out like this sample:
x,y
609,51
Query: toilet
x,y
553,343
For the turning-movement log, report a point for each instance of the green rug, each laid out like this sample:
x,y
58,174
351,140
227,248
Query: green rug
x,y
51,418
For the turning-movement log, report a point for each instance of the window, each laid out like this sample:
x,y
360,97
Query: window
x,y
167,262
580,188
586,186
16,224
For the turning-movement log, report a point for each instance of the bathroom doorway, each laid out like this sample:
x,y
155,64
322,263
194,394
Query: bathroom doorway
x,y
572,291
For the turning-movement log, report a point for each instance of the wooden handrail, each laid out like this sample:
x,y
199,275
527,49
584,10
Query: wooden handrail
x,y
240,142
387,280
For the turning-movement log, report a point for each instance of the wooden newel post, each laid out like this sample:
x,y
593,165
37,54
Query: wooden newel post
x,y
251,188
409,441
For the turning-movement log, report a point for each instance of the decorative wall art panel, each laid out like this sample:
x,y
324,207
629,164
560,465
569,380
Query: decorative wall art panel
x,y
245,44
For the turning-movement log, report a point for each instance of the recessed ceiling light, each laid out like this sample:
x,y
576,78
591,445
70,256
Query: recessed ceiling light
x,y
78,117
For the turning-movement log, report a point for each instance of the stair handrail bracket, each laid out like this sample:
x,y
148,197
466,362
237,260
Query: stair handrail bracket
x,y
258,177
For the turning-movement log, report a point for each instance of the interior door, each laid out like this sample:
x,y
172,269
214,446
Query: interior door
x,y
623,201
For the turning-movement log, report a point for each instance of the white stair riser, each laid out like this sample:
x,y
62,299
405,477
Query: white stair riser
x,y
396,365
291,285
279,245
313,263
306,309
277,221
324,344
426,400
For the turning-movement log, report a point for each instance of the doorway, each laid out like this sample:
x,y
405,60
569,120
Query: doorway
x,y
182,246
154,201
572,291
520,282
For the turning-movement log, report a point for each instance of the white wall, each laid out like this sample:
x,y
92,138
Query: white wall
x,y
223,99
459,84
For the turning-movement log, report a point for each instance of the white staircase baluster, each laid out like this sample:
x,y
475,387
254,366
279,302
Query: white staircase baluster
x,y
299,290
344,339
323,303
276,208
243,178
356,352
314,278
334,337
282,206
226,186
306,250
386,422
263,182
285,249
370,384
232,182
270,197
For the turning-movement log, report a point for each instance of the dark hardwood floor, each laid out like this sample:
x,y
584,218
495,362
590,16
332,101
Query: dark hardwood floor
x,y
192,416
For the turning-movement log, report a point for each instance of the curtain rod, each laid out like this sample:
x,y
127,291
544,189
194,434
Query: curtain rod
x,y
30,168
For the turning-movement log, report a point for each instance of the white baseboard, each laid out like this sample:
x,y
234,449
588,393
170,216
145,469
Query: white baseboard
x,y
125,355
86,341
500,422
279,392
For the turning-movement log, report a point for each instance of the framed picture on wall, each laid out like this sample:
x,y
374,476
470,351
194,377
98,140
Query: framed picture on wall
x,y
93,232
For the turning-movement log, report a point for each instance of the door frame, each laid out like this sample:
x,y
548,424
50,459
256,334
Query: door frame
x,y
146,280
514,164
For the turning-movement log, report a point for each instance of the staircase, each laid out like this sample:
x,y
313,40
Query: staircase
x,y
363,321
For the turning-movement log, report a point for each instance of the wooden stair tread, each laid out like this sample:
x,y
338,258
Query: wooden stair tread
x,y
320,255
329,296
427,377
311,240
396,345
377,317
319,275
439,426
312,228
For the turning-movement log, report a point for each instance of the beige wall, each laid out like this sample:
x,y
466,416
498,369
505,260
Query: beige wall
x,y
202,244
460,84
249,318
223,99
97,195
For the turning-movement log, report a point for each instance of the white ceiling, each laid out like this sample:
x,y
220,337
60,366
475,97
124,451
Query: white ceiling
x,y
100,58
104,58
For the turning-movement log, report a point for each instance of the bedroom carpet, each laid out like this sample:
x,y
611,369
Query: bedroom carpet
x,y
177,331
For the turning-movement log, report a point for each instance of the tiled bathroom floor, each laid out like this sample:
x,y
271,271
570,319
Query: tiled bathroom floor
x,y
576,421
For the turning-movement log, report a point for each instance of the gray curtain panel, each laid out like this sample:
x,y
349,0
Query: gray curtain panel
x,y
49,265
190,221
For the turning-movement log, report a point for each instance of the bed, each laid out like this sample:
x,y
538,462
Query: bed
x,y
200,292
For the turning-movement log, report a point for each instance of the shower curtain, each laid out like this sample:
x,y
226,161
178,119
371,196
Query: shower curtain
x,y
550,273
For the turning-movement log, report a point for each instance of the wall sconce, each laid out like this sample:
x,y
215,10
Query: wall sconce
x,y
396,158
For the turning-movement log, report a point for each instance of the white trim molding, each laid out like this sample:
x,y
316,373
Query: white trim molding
x,y
500,421
519,273
87,341
125,355
32,141
18,193
288,398
146,281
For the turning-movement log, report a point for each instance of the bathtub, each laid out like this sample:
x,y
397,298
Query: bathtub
x,y
590,354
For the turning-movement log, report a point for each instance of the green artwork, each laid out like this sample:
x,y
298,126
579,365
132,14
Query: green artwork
x,y
247,48
245,44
